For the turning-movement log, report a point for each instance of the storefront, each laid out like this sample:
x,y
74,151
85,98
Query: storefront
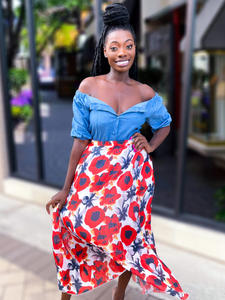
x,y
205,153
207,110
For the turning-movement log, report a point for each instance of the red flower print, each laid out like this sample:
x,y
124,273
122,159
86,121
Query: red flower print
x,y
146,170
100,274
74,202
94,216
100,266
128,235
148,223
79,252
99,182
104,143
55,219
174,284
99,164
66,237
147,259
142,218
148,206
133,210
56,240
85,289
184,297
114,171
119,253
84,156
137,160
141,188
134,271
101,237
83,234
82,182
85,272
109,196
165,268
113,224
125,181
116,149
156,282
65,277
115,267
67,222
58,259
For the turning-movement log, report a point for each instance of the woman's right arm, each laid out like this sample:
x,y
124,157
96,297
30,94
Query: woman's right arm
x,y
75,155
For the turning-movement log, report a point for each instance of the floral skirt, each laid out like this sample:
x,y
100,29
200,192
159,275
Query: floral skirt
x,y
104,228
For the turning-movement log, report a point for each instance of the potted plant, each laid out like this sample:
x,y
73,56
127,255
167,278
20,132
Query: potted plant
x,y
21,100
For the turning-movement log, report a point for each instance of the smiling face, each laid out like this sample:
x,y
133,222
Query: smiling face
x,y
119,48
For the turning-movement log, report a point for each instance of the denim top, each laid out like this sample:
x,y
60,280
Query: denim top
x,y
94,119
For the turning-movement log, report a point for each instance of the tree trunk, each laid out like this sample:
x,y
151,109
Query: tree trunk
x,y
14,34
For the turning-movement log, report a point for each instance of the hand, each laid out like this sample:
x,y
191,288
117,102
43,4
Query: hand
x,y
60,198
140,142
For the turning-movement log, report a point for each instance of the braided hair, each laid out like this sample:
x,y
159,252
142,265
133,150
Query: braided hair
x,y
115,17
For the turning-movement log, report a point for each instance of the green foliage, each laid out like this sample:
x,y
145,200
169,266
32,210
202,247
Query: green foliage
x,y
23,113
17,78
16,111
26,112
66,37
220,195
43,5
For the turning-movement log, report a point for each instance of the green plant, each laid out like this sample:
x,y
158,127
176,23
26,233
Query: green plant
x,y
220,204
17,78
16,111
26,112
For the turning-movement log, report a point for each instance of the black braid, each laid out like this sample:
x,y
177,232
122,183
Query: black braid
x,y
115,17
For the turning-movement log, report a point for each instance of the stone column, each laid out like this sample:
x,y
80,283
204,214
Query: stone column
x,y
4,163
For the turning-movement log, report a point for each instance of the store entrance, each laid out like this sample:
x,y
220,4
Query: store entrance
x,y
160,58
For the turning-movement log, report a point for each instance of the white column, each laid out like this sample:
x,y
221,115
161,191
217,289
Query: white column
x,y
4,166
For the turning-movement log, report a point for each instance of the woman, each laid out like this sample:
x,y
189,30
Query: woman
x,y
102,216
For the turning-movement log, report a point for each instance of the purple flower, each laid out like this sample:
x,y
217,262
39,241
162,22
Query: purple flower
x,y
24,98
27,94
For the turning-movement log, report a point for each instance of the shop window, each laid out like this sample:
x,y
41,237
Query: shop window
x,y
207,112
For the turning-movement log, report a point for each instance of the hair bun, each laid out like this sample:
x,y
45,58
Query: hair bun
x,y
115,14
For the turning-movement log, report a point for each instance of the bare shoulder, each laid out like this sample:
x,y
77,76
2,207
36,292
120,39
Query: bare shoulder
x,y
146,92
86,86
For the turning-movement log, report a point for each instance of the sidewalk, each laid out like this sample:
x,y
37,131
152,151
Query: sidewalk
x,y
27,269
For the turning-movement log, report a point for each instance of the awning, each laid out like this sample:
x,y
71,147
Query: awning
x,y
168,9
209,29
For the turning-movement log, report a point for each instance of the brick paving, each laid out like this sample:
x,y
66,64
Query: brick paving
x,y
28,273
27,270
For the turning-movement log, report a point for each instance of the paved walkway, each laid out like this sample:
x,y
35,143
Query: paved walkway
x,y
27,270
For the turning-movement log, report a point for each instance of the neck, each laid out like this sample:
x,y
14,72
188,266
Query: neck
x,y
118,77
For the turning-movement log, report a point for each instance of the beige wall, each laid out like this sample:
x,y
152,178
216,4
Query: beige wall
x,y
4,168
148,9
152,7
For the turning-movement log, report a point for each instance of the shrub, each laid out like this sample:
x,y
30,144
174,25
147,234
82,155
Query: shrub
x,y
220,195
21,106
17,78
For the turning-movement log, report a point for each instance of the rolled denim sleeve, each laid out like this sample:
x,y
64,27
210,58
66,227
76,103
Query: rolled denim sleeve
x,y
81,117
158,116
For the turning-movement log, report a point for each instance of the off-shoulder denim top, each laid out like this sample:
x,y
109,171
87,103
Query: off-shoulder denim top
x,y
94,119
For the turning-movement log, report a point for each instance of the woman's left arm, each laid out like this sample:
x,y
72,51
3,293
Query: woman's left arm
x,y
159,136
